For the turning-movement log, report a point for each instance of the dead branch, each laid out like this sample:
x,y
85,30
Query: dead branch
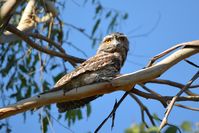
x,y
41,37
166,98
123,82
192,44
112,113
174,84
143,109
187,107
24,37
191,63
154,93
170,106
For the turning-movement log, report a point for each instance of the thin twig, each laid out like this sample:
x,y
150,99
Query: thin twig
x,y
111,113
187,107
67,128
157,118
166,52
170,106
61,30
154,93
122,82
81,30
174,84
24,37
76,48
191,63
166,98
40,36
50,123
143,109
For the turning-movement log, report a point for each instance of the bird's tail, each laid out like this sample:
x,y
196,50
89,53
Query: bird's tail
x,y
70,105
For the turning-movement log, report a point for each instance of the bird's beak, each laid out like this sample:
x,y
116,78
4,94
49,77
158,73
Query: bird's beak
x,y
115,42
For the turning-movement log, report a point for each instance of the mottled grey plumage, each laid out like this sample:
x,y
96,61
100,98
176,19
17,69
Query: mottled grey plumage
x,y
105,65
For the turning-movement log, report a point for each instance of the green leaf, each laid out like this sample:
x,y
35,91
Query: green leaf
x,y
17,95
36,88
108,14
11,81
171,129
53,66
153,130
79,114
46,85
113,22
95,26
94,42
14,95
73,114
28,92
69,116
25,116
10,64
22,68
2,125
29,58
88,110
60,35
98,9
22,79
45,124
58,76
93,1
186,126
36,59
155,116
125,16
134,129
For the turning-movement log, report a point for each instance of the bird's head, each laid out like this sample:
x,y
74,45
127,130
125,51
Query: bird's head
x,y
114,42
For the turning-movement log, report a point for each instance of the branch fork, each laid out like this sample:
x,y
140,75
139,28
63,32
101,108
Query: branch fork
x,y
123,82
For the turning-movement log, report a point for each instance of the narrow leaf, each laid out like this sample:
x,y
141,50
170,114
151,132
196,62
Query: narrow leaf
x,y
88,110
95,26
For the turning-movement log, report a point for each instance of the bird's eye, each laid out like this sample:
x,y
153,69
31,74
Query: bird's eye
x,y
108,40
122,39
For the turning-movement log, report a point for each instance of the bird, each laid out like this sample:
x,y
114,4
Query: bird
x,y
103,66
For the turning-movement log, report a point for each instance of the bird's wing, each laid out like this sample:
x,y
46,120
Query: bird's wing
x,y
97,62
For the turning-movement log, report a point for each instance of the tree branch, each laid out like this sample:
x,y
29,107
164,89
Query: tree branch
x,y
26,24
28,19
187,107
40,36
7,10
112,113
124,82
170,106
174,84
24,37
143,109
165,98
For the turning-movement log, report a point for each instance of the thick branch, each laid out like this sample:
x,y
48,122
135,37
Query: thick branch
x,y
7,10
26,23
28,19
124,82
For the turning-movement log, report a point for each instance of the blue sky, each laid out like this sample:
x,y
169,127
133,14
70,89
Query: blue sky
x,y
178,23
